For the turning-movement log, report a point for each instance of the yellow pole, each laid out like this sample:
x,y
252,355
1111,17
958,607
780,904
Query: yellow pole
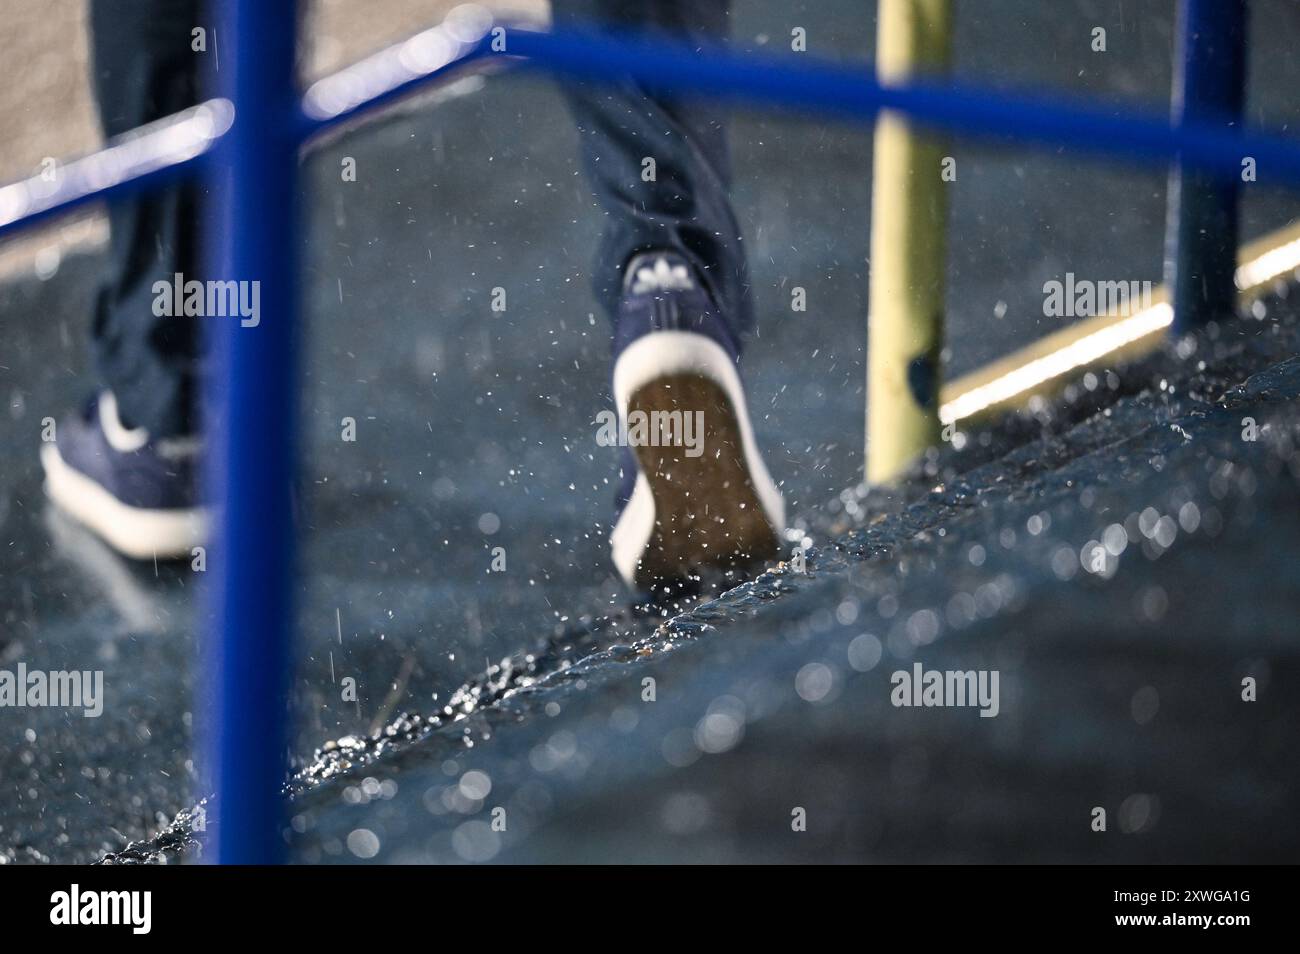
x,y
908,250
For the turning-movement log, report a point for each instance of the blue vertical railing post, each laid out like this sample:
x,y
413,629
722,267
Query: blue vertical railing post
x,y
1201,232
251,429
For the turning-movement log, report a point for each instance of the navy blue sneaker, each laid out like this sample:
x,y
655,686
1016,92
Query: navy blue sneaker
x,y
140,495
697,495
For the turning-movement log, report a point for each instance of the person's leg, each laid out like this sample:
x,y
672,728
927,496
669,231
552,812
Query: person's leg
x,y
685,207
127,466
695,495
144,69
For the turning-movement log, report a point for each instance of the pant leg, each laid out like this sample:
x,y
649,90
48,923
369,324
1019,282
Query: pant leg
x,y
686,209
144,69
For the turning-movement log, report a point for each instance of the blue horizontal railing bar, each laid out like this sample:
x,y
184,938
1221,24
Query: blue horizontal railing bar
x,y
854,93
836,91
153,156
812,88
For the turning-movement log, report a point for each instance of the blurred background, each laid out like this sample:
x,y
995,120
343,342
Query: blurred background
x,y
475,430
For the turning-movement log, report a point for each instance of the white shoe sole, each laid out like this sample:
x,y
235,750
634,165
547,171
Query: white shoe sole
x,y
136,532
713,498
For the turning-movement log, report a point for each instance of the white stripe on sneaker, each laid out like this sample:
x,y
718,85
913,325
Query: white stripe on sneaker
x,y
119,438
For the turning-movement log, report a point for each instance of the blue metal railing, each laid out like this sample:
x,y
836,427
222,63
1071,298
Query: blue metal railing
x,y
251,421
818,87
247,141
1201,228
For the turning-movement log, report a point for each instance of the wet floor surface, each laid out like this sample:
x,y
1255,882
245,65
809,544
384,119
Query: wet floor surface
x,y
475,430
1127,576
1121,681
